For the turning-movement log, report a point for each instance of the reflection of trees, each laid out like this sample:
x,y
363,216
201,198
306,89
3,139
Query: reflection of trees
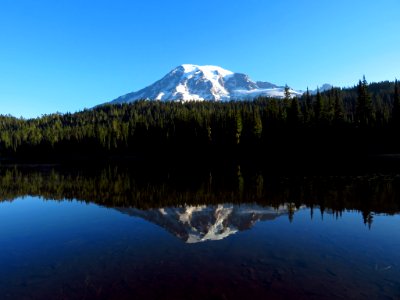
x,y
291,210
368,218
135,187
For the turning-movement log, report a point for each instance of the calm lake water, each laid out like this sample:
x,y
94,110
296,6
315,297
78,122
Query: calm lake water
x,y
115,234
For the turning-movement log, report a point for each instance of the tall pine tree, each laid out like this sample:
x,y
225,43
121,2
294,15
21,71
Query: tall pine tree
x,y
364,104
294,113
307,107
318,106
396,105
338,109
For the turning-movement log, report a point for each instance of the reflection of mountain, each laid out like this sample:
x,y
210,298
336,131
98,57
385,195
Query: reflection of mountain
x,y
195,224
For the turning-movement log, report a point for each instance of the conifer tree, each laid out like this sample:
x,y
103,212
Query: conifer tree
x,y
396,105
257,128
379,110
238,127
273,111
287,92
286,103
364,104
318,106
338,109
330,106
308,111
294,113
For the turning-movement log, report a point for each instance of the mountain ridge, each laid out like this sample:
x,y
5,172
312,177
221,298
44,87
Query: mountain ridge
x,y
193,82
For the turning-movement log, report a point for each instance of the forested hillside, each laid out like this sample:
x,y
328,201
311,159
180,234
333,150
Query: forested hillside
x,y
360,120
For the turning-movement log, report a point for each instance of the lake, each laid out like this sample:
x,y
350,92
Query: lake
x,y
128,232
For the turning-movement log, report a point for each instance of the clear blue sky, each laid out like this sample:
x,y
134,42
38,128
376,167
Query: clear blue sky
x,y
65,55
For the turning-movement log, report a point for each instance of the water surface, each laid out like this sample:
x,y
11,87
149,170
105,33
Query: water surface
x,y
113,235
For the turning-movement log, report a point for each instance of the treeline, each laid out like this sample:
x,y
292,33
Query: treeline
x,y
360,120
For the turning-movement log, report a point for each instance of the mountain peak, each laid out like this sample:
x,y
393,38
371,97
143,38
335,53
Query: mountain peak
x,y
189,82
188,68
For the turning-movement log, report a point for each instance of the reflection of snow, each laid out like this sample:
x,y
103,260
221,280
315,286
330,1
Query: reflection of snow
x,y
195,224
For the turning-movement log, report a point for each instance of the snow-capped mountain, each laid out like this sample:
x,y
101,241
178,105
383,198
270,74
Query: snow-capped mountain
x,y
194,224
192,82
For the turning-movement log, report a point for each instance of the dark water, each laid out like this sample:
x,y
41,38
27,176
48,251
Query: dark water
x,y
114,233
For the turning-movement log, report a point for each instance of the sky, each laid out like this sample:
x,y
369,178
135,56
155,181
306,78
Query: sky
x,y
67,55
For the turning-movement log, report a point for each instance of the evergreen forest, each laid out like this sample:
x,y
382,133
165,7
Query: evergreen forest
x,y
361,120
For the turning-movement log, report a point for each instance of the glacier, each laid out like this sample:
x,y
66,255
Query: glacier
x,y
189,82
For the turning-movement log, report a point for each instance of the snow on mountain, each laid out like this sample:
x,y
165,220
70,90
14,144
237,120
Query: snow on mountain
x,y
191,82
194,224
